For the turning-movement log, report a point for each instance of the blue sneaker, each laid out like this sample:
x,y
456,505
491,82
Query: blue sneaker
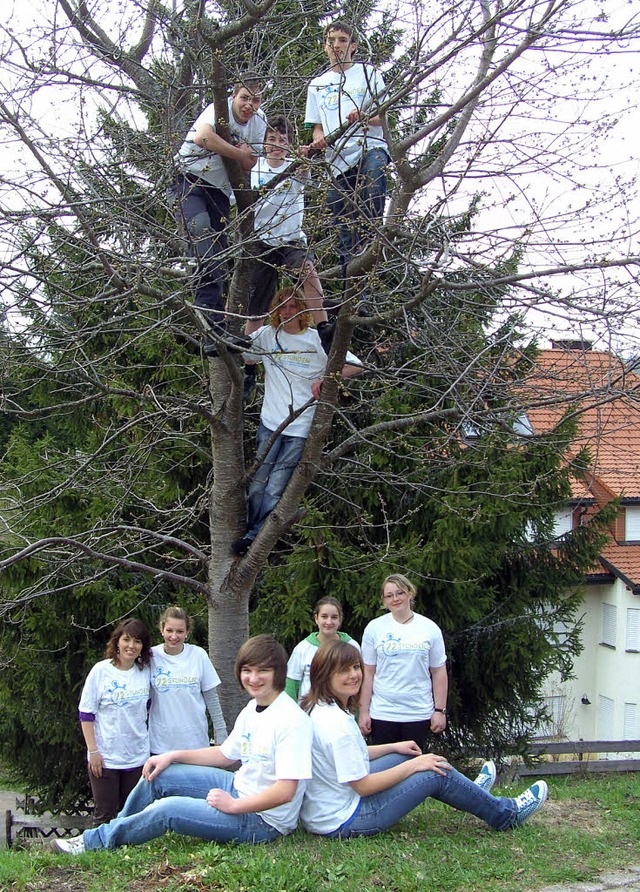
x,y
530,801
487,777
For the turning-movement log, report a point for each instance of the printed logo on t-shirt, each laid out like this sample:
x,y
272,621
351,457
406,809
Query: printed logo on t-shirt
x,y
392,644
330,96
120,695
163,680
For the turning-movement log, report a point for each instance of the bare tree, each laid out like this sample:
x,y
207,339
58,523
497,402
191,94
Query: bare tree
x,y
491,201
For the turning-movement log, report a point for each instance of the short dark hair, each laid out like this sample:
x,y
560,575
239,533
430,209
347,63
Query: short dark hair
x,y
253,81
340,25
137,629
332,656
279,124
264,650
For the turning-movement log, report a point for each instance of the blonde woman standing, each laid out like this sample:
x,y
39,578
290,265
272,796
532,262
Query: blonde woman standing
x,y
405,686
183,688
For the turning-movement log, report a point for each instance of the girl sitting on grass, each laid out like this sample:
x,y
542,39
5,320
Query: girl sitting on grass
x,y
350,795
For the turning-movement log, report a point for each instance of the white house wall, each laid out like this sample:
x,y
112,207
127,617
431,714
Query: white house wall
x,y
609,677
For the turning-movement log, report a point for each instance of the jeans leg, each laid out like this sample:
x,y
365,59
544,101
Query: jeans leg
x,y
382,810
372,183
271,478
182,814
142,815
203,213
341,200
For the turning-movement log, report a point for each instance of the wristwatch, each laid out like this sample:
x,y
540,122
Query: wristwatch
x,y
443,711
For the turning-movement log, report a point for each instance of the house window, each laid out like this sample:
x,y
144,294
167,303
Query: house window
x,y
630,730
609,622
605,718
632,524
563,522
632,642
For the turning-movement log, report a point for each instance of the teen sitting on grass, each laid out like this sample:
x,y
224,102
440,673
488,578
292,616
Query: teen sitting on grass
x,y
193,791
351,796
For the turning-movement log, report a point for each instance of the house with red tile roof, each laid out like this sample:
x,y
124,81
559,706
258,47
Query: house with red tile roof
x,y
602,701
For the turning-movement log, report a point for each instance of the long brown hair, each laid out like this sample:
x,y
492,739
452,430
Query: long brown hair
x,y
334,656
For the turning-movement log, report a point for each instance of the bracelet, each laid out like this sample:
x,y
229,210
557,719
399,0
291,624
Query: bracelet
x,y
92,752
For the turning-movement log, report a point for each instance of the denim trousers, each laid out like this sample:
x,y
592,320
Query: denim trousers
x,y
271,478
203,212
356,199
381,811
176,800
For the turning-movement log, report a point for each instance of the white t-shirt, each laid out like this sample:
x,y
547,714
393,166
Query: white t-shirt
x,y
292,362
278,214
118,698
272,745
178,717
331,97
209,166
299,665
403,655
339,756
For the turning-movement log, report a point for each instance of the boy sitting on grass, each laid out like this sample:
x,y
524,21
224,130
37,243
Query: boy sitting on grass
x,y
195,793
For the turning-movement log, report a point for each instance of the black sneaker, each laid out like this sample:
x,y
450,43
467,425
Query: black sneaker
x,y
241,546
249,383
326,330
235,343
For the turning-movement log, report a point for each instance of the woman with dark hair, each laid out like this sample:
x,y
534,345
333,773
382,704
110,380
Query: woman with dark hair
x,y
113,718
348,796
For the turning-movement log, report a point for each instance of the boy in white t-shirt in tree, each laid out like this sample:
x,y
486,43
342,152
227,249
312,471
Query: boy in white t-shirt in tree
x,y
294,365
202,193
347,93
195,792
280,241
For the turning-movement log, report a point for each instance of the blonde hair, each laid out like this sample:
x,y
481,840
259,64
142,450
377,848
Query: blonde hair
x,y
285,294
174,613
402,582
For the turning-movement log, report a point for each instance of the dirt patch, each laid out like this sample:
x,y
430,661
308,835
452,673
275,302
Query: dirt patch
x,y
572,813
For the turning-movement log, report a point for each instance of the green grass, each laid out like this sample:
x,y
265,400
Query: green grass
x,y
590,825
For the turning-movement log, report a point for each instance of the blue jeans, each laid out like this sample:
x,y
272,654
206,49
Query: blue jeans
x,y
203,212
176,800
356,199
381,811
271,478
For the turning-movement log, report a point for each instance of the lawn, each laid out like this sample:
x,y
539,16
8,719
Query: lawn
x,y
589,826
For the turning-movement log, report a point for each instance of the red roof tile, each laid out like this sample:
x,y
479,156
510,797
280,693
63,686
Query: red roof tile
x,y
604,396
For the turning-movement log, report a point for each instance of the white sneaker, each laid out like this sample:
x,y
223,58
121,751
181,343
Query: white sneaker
x,y
487,777
530,801
72,846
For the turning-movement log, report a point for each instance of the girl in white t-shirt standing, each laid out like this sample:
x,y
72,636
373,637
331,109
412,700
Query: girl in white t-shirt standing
x,y
183,688
113,718
328,616
404,692
349,797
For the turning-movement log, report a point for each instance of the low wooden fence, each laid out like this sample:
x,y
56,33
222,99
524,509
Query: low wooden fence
x,y
548,756
21,825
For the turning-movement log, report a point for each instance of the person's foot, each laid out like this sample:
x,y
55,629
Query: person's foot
x,y
530,801
326,331
487,777
241,546
236,343
72,846
249,382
